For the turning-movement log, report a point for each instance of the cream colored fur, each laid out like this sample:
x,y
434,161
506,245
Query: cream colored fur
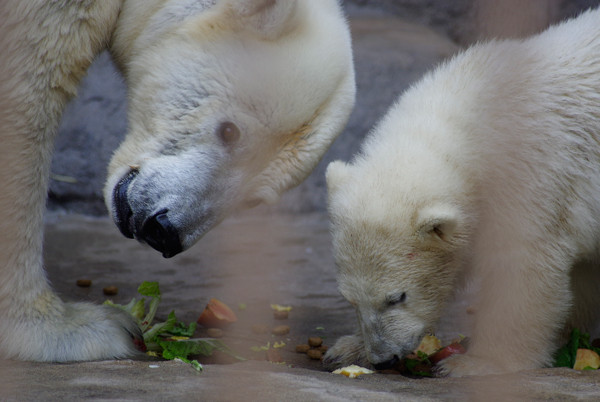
x,y
284,77
489,168
166,49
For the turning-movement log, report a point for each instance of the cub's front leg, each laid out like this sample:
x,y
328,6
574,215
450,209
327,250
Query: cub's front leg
x,y
519,317
348,350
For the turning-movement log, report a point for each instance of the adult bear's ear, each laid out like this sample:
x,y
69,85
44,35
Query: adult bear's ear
x,y
336,174
439,222
268,18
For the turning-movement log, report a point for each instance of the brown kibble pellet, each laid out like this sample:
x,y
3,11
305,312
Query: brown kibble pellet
x,y
471,310
281,330
214,332
280,315
323,349
274,356
302,348
84,283
110,290
259,329
314,354
315,341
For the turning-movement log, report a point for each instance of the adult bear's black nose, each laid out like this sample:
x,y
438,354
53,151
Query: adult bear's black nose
x,y
122,213
160,234
386,365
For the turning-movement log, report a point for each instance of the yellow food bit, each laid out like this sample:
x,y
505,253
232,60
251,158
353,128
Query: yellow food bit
x,y
180,338
277,345
586,358
259,348
151,353
278,307
353,371
429,345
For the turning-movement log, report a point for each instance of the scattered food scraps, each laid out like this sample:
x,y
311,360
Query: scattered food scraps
x,y
110,290
586,359
353,371
259,348
179,338
315,341
429,345
280,315
568,355
445,352
216,314
314,354
84,283
274,356
429,352
171,339
302,348
281,330
278,307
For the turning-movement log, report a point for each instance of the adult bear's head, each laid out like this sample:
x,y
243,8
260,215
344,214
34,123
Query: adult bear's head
x,y
230,104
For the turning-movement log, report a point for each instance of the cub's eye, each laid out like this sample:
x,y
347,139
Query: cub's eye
x,y
395,300
229,133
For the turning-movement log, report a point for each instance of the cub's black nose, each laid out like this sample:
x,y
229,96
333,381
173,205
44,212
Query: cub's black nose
x,y
160,234
387,364
122,214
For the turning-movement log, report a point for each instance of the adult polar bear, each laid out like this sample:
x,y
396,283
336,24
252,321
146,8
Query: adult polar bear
x,y
231,103
490,166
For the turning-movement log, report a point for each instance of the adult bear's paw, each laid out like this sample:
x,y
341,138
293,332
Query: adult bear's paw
x,y
62,332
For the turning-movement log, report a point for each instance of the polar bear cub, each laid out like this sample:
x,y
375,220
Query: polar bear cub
x,y
489,168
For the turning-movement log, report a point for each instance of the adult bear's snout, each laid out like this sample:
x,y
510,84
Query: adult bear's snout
x,y
155,229
122,213
160,234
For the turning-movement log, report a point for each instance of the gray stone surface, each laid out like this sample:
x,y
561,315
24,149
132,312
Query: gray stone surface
x,y
262,381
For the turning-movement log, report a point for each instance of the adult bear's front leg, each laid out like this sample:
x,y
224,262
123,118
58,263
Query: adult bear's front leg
x,y
46,48
34,323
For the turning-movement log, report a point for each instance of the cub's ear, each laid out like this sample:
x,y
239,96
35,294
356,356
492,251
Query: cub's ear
x,y
268,18
439,222
336,174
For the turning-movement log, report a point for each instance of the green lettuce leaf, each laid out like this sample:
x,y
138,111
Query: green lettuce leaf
x,y
565,356
155,334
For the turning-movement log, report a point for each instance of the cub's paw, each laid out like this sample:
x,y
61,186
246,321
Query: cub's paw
x,y
346,351
60,332
466,365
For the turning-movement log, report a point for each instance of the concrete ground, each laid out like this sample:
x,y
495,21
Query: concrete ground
x,y
256,259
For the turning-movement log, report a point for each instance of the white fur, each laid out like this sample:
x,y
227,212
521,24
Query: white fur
x,y
488,167
281,69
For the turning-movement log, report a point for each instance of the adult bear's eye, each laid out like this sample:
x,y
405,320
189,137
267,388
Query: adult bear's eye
x,y
229,133
398,299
